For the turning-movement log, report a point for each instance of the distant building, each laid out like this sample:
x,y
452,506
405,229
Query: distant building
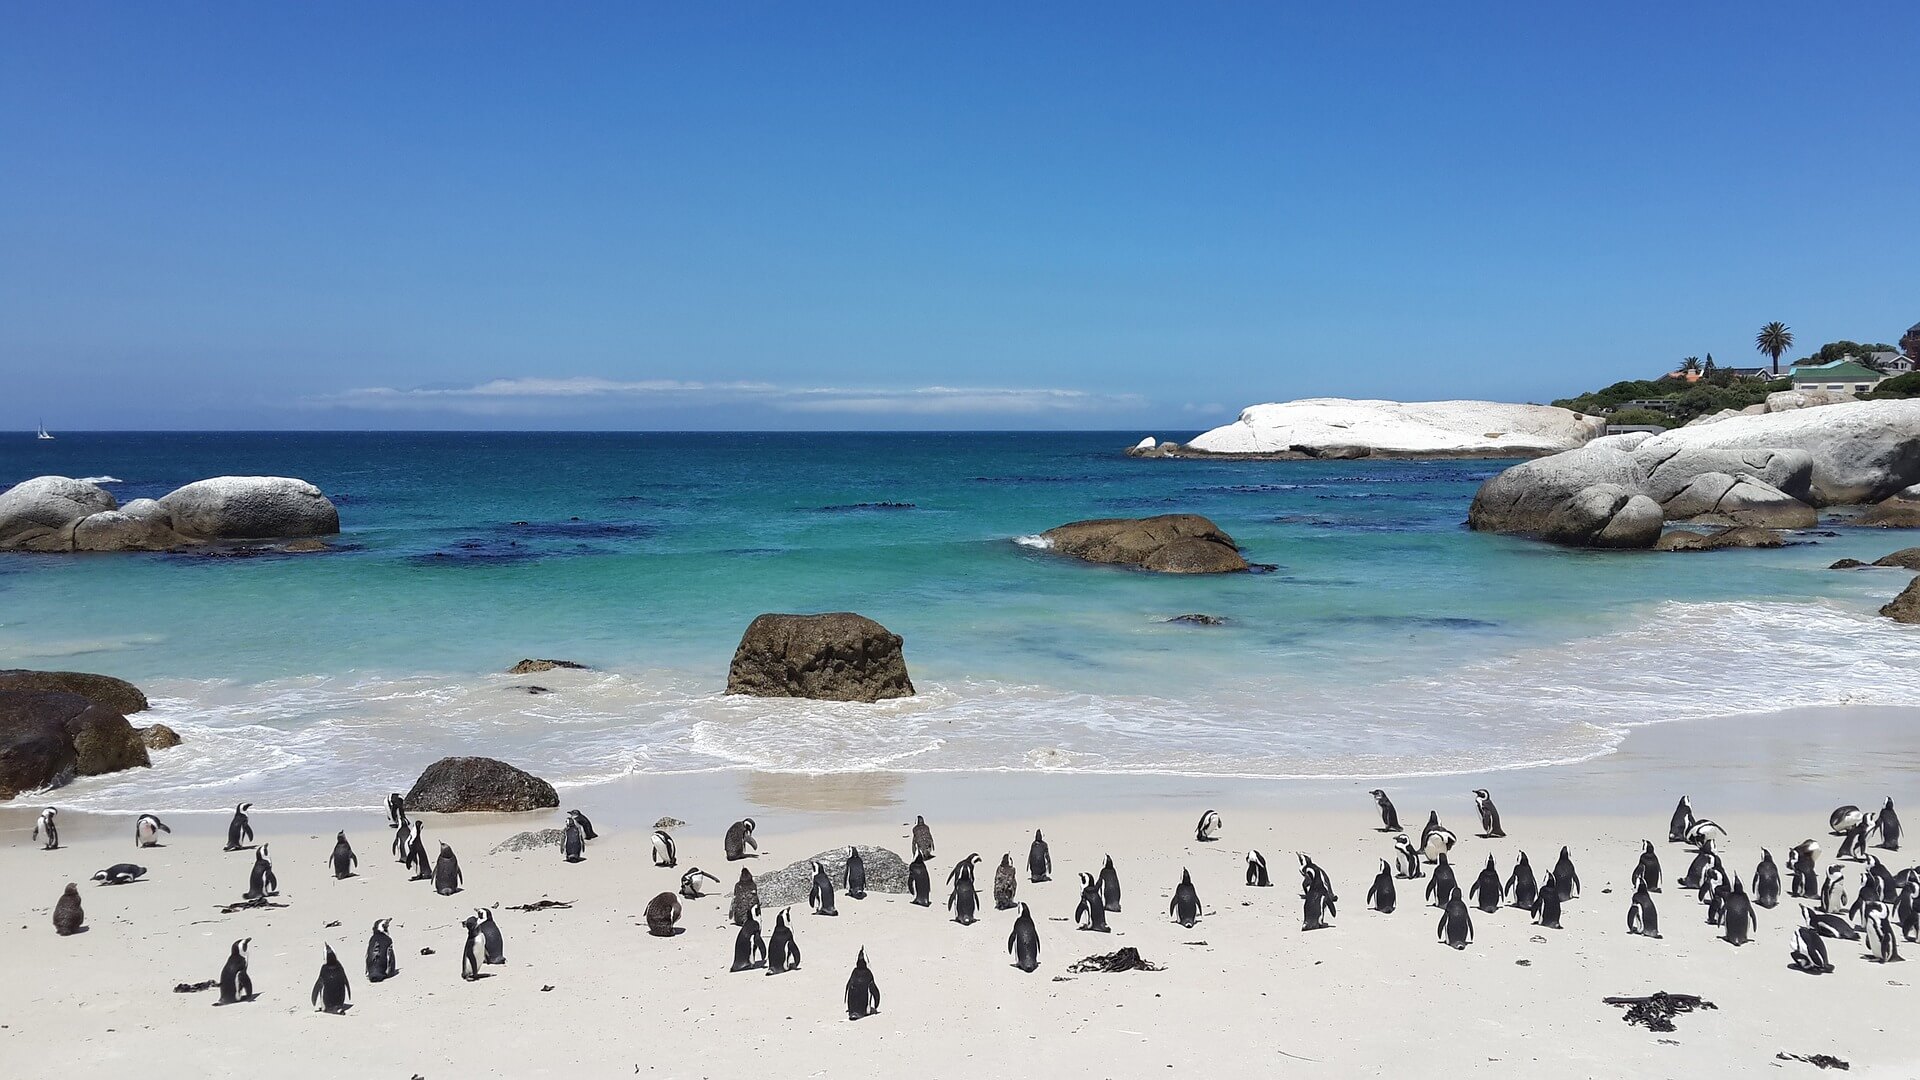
x,y
1890,362
1748,372
1846,375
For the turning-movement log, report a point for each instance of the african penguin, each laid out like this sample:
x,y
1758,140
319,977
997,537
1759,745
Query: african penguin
x,y
382,960
147,829
1442,883
1039,860
1389,817
1489,814
1647,871
1110,886
1736,916
1316,905
1486,888
863,994
1703,861
1406,859
474,952
1209,827
1257,870
396,810
586,825
693,883
963,901
1521,889
919,882
782,953
1906,909
749,949
573,842
490,933
235,984
1565,876
1766,881
1843,819
447,877
1024,941
1826,925
1091,912
119,874
1642,919
746,899
1456,925
1185,906
1834,895
1854,845
820,894
45,830
1546,903
1682,821
68,915
1800,864
402,839
330,990
922,837
1889,827
261,882
1810,952
855,874
1311,875
1436,839
239,830
343,858
1005,881
739,838
665,853
1705,832
1380,895
663,911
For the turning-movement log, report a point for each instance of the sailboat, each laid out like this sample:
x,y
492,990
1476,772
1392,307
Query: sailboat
x,y
43,430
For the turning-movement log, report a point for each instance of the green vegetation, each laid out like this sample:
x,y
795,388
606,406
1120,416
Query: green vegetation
x,y
1840,350
1900,386
1640,418
1682,401
1774,339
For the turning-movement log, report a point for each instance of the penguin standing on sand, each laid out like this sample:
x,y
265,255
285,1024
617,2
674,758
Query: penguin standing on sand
x,y
1489,815
147,829
694,883
749,949
922,838
1803,883
1565,877
403,840
1442,884
1834,895
782,954
396,810
1005,881
68,915
1736,916
1546,903
963,901
417,860
1697,870
382,963
919,882
1316,906
235,984
343,858
47,832
1906,908
1091,912
1486,889
1024,942
1766,881
746,899
239,830
1521,887
1854,845
665,852
586,825
261,882
1389,817
1642,919
1380,895
1810,952
739,838
820,893
1311,875
863,994
1039,860
1436,839
330,990
1456,925
1257,870
120,874
474,952
1883,945
856,874
1406,859
663,911
1209,827
573,842
1110,886
490,935
1889,827
1682,820
1647,871
447,877
1185,906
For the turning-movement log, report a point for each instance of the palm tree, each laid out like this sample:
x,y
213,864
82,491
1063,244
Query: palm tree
x,y
1774,339
1690,365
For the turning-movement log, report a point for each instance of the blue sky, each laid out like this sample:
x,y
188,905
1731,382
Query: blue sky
x,y
879,216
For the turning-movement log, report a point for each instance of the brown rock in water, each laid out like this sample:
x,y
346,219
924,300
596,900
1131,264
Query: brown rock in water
x,y
1167,544
456,785
118,695
1739,536
1904,559
837,656
47,739
1847,564
1905,607
303,547
1884,516
159,737
530,667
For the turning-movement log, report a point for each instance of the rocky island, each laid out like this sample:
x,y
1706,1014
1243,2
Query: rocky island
x,y
1346,428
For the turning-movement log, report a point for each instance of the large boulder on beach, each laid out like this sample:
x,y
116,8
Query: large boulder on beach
x,y
250,508
1905,607
47,738
1347,428
1168,544
837,656
118,695
1719,499
1861,451
886,873
1590,497
455,785
1671,469
39,514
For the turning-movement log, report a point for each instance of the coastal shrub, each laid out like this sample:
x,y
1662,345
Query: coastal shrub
x,y
1900,386
1640,418
1686,401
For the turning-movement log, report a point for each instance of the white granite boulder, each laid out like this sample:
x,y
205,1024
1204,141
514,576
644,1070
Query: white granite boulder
x,y
38,514
250,508
1590,497
1347,427
1861,451
141,525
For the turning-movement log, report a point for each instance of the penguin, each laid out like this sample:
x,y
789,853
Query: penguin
x,y
1389,817
48,833
1315,906
693,883
573,842
1703,861
402,839
1185,906
863,994
856,874
330,990
1642,919
68,915
1091,912
1209,827
1486,889
261,882
1546,903
1854,845
749,949
1736,916
1889,827
447,877
1565,876
417,860
1380,895
1039,860
120,874
1257,870
1442,883
782,954
1877,870
343,858
1489,815
1711,883
1843,819
147,829
1871,892
662,912
1005,881
665,853
473,953
1681,822
1766,881
1705,831
1311,875
919,883
1810,952
1406,859
820,894
739,838
1024,942
381,958
1906,909
396,810
1833,926
1436,839
490,934
586,825
746,899
1110,886
1647,872
235,984
239,830
922,837
1800,864
1456,925
1834,896
963,901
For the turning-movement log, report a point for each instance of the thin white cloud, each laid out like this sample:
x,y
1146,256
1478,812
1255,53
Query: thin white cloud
x,y
556,395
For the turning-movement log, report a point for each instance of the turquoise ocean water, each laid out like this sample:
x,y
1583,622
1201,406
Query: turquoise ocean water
x,y
1387,640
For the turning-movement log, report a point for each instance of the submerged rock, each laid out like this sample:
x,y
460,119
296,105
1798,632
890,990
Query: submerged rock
x,y
1167,544
1904,559
886,873
456,785
1197,619
837,656
158,737
1739,536
1901,510
1905,607
48,738
118,695
530,667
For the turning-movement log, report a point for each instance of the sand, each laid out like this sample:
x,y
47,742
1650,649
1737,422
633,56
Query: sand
x,y
587,992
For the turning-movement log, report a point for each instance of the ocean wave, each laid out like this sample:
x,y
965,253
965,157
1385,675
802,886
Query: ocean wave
x,y
101,480
1034,540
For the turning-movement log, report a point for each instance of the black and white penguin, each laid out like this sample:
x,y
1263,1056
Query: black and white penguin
x,y
573,842
1024,941
120,874
1647,871
1436,839
782,954
490,934
1486,891
447,877
1005,882
740,838
855,874
403,840
1565,877
417,859
695,883
1737,923
1681,822
863,993
46,831
1906,908
1703,861
663,911
1766,881
922,838
1389,817
261,882
68,915
1209,827
746,899
1801,862
1311,875
1091,912
1316,906
919,882
1853,846
1380,895
147,829
1835,897
749,949
1521,888
343,859
396,810
1546,902
1889,827
382,961
1810,952
474,952
963,901
1843,819
1713,881
665,852
235,984
1489,815
1406,859
1185,905
1110,886
1039,860
239,830
1705,832
1642,919
1442,883
820,893
330,990
1878,871
586,824
1257,870
1456,925
1826,925
1872,891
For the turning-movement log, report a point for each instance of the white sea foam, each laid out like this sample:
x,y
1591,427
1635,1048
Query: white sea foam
x,y
1034,540
101,480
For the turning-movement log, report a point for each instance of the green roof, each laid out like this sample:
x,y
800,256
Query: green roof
x,y
1837,371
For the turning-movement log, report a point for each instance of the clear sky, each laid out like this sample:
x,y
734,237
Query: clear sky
x,y
904,215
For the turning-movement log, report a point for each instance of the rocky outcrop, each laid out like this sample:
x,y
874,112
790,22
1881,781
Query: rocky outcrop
x,y
1789,400
886,873
141,525
250,508
56,513
1904,559
532,667
118,695
48,738
455,785
1590,497
1905,607
1716,498
158,736
39,514
1860,451
1901,510
1198,619
1349,428
1168,544
1739,536
838,656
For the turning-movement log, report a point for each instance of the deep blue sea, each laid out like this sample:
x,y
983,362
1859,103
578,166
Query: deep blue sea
x,y
1389,640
